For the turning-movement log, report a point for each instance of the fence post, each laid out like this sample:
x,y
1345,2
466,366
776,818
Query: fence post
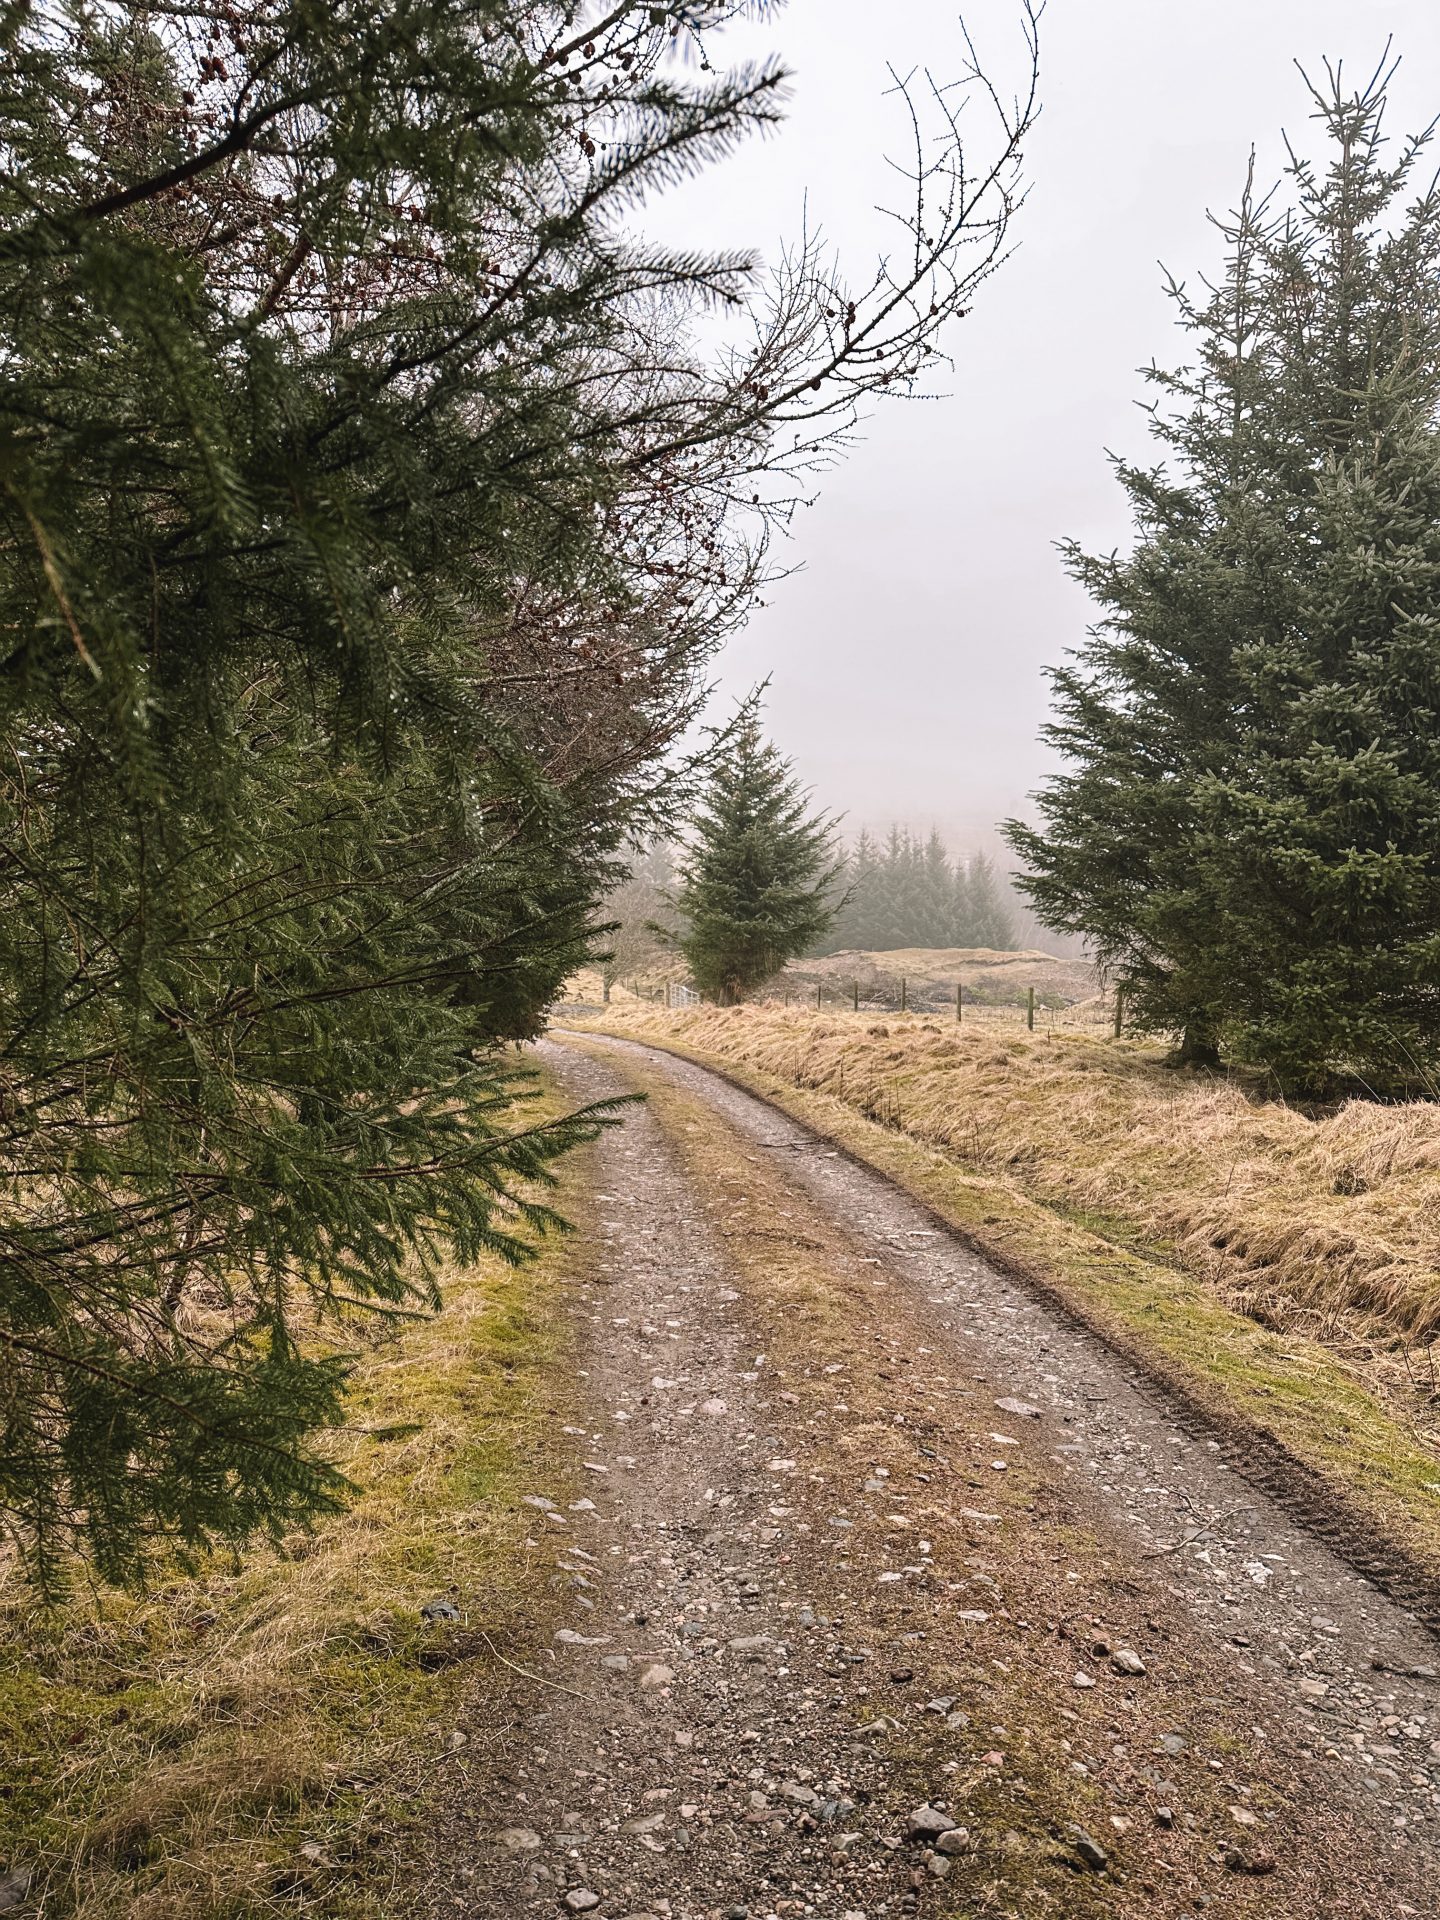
x,y
959,1002
787,996
1119,1010
904,994
1030,1011
667,993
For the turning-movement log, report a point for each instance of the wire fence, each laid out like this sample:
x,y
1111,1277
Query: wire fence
x,y
904,997
959,1004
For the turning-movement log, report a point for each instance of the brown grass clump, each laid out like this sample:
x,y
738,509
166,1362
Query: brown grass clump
x,y
1329,1224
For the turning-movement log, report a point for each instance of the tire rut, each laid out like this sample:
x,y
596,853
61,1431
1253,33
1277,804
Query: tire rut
x,y
863,1524
1249,1449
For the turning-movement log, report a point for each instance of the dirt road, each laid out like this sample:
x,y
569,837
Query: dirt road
x,y
887,1592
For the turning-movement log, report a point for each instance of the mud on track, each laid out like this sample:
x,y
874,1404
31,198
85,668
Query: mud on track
x,y
819,1576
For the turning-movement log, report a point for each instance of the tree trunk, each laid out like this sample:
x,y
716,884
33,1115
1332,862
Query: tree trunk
x,y
1199,1044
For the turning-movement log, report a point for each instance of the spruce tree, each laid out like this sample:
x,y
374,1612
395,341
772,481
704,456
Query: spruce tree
x,y
759,878
989,922
895,894
369,516
1248,829
937,907
853,928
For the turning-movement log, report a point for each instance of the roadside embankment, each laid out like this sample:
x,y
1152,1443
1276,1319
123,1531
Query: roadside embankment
x,y
265,1738
1275,1264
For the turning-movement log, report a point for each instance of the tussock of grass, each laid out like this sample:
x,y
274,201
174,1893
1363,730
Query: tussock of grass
x,y
246,1741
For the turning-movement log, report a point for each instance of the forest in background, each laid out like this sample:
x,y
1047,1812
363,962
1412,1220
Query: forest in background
x,y
905,892
899,892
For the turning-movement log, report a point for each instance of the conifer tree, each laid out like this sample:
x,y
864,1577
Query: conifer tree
x,y
909,894
960,916
1248,828
369,515
895,895
856,917
937,895
759,879
988,922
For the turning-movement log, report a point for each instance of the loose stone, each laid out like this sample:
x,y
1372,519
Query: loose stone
x,y
928,1823
1089,1849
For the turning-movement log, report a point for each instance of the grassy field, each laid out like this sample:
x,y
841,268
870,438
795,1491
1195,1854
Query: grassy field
x,y
1287,1264
996,984
258,1741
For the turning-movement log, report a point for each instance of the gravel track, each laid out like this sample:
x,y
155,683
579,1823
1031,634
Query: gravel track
x,y
700,1758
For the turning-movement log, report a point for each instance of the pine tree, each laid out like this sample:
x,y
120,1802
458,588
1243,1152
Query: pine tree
x,y
988,919
1249,828
910,894
895,901
857,916
960,915
759,879
367,525
937,904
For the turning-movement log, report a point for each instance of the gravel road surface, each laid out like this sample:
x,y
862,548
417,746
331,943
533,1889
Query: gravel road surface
x,y
774,1690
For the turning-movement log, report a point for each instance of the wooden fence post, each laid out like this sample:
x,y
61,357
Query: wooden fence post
x,y
1030,1011
904,994
819,989
1119,1010
959,1002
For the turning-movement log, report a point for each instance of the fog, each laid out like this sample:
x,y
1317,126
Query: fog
x,y
906,655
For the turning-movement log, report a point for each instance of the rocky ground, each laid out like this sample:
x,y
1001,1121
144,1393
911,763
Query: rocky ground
x,y
886,1593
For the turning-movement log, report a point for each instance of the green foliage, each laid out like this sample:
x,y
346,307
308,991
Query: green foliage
x,y
758,878
366,523
1248,827
911,894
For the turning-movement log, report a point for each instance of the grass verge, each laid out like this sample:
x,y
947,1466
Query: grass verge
x,y
1338,1418
261,1739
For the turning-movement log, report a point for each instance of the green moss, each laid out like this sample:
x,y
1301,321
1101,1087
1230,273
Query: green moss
x,y
176,1749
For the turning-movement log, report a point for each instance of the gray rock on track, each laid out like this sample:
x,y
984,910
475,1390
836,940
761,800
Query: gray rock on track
x,y
929,1823
1089,1849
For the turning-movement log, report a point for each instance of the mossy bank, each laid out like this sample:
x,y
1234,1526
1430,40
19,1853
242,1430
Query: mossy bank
x,y
251,1738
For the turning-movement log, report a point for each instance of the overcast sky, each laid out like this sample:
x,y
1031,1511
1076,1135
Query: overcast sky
x,y
906,658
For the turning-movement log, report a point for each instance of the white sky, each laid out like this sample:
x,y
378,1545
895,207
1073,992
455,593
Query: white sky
x,y
906,659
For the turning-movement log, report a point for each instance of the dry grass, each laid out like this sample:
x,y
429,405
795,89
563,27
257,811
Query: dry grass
x,y
1330,1224
252,1740
1067,992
